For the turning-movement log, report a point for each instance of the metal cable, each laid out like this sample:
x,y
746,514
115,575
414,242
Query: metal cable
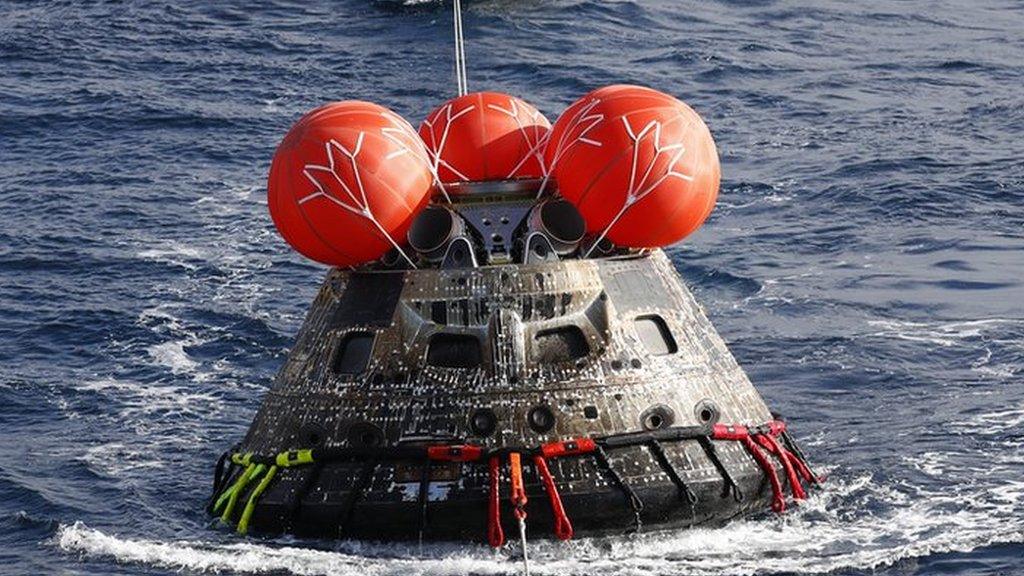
x,y
460,49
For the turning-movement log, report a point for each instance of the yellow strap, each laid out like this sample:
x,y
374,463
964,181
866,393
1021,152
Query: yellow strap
x,y
243,522
251,473
223,498
294,458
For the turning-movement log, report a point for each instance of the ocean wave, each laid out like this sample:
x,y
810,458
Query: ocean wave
x,y
945,334
116,459
175,254
140,402
173,356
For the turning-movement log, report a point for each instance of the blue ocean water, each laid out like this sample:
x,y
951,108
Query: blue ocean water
x,y
865,262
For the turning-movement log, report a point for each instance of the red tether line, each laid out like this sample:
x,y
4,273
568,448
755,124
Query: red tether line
x,y
778,500
563,527
495,535
801,467
772,445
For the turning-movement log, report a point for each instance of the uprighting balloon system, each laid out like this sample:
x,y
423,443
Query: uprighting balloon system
x,y
623,168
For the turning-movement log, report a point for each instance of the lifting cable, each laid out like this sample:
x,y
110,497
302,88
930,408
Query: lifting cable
x,y
460,49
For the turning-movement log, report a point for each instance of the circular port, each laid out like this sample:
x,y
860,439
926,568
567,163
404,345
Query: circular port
x,y
562,221
541,419
657,417
364,434
432,229
707,412
483,422
311,436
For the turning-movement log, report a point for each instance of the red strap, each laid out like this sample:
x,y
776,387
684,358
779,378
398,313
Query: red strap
x,y
495,535
568,448
563,528
725,432
802,468
773,446
466,453
518,492
778,501
776,427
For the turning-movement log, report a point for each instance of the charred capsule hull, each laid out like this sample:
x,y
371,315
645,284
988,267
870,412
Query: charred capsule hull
x,y
504,357
462,515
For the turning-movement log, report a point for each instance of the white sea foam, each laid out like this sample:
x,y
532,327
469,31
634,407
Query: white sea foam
x,y
993,422
260,559
822,535
160,313
931,463
116,460
173,253
173,355
130,398
944,334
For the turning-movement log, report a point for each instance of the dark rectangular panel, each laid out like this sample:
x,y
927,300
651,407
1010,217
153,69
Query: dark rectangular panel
x,y
369,300
353,353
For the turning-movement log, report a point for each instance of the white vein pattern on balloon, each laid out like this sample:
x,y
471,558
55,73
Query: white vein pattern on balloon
x,y
437,144
538,139
359,205
640,188
445,114
583,121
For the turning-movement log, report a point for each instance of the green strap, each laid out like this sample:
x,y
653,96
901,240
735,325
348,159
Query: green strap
x,y
250,474
250,506
294,458
223,498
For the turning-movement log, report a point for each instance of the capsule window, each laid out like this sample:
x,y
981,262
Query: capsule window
x,y
454,351
562,344
353,353
655,335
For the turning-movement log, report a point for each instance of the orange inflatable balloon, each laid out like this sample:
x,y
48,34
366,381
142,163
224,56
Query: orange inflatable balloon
x,y
346,183
639,165
486,136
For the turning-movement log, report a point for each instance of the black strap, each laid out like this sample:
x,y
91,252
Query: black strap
x,y
424,495
218,472
685,493
673,434
360,486
730,485
221,474
635,503
308,482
